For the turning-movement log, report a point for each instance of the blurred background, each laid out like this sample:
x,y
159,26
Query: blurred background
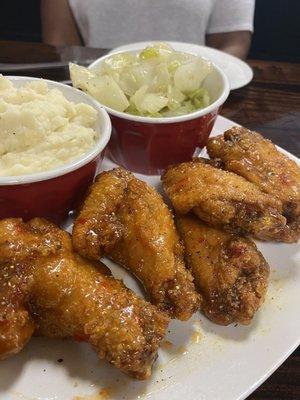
x,y
276,27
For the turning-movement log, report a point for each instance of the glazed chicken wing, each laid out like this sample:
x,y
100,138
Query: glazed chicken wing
x,y
46,288
225,199
255,158
128,221
229,272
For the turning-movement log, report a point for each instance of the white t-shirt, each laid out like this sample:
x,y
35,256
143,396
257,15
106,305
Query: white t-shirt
x,y
111,23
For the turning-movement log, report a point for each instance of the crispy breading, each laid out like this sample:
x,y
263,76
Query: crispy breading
x,y
224,199
127,220
250,155
47,288
229,272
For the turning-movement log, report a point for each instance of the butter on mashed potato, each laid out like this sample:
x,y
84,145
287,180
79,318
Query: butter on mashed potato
x,y
40,129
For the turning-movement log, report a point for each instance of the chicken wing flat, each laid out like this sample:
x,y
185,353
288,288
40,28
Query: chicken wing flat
x,y
255,158
229,272
225,199
47,288
128,221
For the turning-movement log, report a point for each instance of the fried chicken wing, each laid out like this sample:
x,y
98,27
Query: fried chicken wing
x,y
47,288
224,199
128,221
229,272
256,159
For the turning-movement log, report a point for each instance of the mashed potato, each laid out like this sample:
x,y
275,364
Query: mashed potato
x,y
40,129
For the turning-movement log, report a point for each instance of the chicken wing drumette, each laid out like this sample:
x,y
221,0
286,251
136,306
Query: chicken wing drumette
x,y
46,288
224,199
229,272
127,220
257,159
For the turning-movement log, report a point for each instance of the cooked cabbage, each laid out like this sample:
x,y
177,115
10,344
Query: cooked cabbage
x,y
156,82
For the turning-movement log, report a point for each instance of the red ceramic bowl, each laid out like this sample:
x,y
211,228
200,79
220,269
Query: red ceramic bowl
x,y
148,145
53,194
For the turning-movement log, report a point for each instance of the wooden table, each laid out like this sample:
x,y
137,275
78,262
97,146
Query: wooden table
x,y
270,104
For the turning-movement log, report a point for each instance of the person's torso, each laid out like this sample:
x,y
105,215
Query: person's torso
x,y
111,23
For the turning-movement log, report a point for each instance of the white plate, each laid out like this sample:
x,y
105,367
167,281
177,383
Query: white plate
x,y
237,71
227,363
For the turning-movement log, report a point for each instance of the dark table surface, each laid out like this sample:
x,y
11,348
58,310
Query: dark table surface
x,y
270,104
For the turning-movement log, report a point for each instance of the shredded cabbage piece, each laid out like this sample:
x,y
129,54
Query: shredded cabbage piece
x,y
157,82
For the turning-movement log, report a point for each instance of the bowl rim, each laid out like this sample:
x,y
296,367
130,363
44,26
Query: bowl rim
x,y
78,162
168,120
